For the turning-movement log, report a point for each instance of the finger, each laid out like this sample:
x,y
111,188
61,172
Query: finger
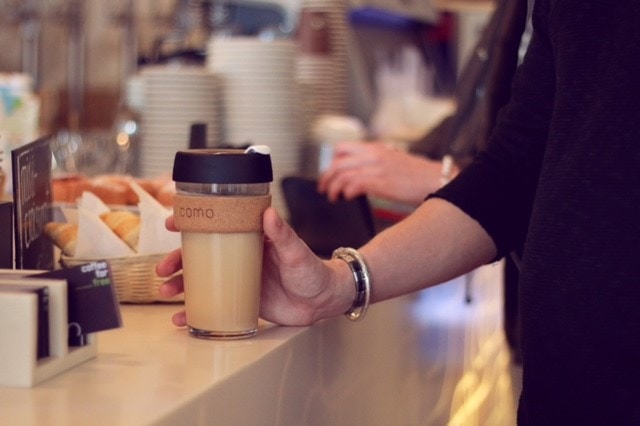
x,y
170,223
349,179
329,175
172,287
292,275
351,156
275,229
170,264
179,319
356,188
285,242
334,181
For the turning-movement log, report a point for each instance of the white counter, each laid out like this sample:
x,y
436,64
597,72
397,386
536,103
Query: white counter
x,y
404,364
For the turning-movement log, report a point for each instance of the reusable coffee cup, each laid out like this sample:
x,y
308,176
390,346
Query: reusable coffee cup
x,y
221,195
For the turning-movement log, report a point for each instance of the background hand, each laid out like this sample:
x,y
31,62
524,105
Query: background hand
x,y
376,169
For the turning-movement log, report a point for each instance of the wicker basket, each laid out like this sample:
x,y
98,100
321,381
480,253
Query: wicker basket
x,y
134,277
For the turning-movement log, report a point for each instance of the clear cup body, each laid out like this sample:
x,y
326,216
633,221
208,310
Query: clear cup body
x,y
223,189
222,271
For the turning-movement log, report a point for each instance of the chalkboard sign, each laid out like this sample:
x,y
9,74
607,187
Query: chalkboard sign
x,y
31,166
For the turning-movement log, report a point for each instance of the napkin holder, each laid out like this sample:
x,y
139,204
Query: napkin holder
x,y
19,366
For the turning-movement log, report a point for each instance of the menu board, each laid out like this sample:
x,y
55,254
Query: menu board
x,y
31,166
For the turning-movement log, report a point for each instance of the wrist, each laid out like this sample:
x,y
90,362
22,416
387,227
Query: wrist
x,y
342,288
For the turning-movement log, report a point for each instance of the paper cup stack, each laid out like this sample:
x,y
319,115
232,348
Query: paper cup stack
x,y
174,99
322,61
261,102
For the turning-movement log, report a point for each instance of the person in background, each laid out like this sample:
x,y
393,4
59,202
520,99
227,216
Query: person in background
x,y
483,89
382,171
560,174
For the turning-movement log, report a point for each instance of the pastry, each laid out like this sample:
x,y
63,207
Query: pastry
x,y
110,191
67,189
120,184
125,224
165,194
63,235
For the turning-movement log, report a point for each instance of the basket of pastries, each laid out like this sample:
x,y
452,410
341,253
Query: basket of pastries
x,y
132,241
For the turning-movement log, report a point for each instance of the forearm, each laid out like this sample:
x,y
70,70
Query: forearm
x,y
436,243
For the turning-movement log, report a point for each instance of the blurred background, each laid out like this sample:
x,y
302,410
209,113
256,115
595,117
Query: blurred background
x,y
82,69
80,53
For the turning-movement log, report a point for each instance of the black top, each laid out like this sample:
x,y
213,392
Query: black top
x,y
563,170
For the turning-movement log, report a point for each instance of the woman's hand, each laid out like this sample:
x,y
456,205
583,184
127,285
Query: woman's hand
x,y
298,288
377,169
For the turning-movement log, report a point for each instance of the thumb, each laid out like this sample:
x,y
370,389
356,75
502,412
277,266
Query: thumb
x,y
283,238
292,276
275,229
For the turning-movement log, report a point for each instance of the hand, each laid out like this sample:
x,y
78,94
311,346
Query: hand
x,y
298,288
379,170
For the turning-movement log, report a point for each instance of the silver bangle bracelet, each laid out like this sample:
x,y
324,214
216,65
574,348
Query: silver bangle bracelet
x,y
362,281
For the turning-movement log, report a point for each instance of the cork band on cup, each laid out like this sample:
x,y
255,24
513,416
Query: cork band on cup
x,y
219,214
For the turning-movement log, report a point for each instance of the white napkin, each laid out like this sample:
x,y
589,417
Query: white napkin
x,y
96,240
88,201
93,203
154,236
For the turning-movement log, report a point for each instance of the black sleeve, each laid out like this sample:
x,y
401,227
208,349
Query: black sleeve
x,y
498,188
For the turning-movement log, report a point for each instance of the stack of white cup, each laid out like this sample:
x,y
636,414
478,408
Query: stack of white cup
x,y
260,101
323,65
174,99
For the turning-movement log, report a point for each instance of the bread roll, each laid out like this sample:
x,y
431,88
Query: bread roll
x,y
67,189
125,224
120,185
63,235
112,192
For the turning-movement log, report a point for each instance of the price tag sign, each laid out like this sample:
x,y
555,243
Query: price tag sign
x,y
31,172
93,304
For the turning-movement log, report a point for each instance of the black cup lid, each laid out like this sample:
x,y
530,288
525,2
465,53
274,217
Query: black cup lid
x,y
221,166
